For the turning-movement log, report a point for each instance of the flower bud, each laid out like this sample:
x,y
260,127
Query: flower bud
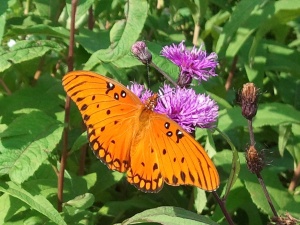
x,y
255,160
248,100
140,50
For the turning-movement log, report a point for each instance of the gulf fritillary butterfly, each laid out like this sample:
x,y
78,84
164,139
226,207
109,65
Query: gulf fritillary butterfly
x,y
127,135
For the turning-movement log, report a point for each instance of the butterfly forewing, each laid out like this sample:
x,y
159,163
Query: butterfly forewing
x,y
108,109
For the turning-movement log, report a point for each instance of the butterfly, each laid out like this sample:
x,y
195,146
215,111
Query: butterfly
x,y
129,136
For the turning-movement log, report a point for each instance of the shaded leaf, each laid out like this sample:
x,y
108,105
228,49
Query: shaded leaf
x,y
169,216
35,201
26,143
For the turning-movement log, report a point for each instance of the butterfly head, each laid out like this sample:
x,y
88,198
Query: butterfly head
x,y
151,102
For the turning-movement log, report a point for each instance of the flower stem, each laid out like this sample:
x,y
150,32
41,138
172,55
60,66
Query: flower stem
x,y
223,208
250,127
164,74
262,183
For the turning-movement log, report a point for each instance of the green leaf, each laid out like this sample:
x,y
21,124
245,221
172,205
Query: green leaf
x,y
269,114
284,134
240,15
40,29
34,200
43,96
47,9
82,202
79,142
293,146
165,65
281,199
25,51
281,14
9,207
26,143
89,40
82,9
200,200
169,216
137,14
235,165
114,208
282,58
3,8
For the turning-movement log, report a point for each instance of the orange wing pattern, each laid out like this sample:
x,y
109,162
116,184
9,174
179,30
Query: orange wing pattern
x,y
127,135
108,109
172,155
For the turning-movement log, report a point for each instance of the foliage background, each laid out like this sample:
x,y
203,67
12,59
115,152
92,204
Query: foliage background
x,y
256,41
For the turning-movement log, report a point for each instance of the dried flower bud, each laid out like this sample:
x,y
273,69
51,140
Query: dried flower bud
x,y
255,160
248,100
284,220
140,50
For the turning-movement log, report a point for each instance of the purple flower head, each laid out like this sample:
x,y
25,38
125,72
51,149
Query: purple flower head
x,y
187,108
140,50
140,91
182,105
193,63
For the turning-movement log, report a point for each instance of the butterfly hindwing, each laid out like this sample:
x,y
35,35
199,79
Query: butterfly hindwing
x,y
164,152
182,160
108,109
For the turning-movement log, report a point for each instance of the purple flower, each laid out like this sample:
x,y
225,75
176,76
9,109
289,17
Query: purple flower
x,y
140,91
193,63
187,108
182,105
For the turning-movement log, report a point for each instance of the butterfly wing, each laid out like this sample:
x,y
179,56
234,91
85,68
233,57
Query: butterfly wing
x,y
171,155
108,109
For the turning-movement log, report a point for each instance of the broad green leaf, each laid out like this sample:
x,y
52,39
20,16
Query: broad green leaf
x,y
282,58
137,14
82,9
40,29
26,50
44,97
239,16
9,207
26,143
169,216
48,9
104,178
90,40
80,141
113,208
281,199
34,200
200,200
293,146
82,202
269,114
165,65
281,13
255,69
3,8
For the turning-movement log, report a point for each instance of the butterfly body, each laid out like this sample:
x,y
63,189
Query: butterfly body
x,y
129,136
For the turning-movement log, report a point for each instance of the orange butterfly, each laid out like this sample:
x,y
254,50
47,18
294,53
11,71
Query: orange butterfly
x,y
127,135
